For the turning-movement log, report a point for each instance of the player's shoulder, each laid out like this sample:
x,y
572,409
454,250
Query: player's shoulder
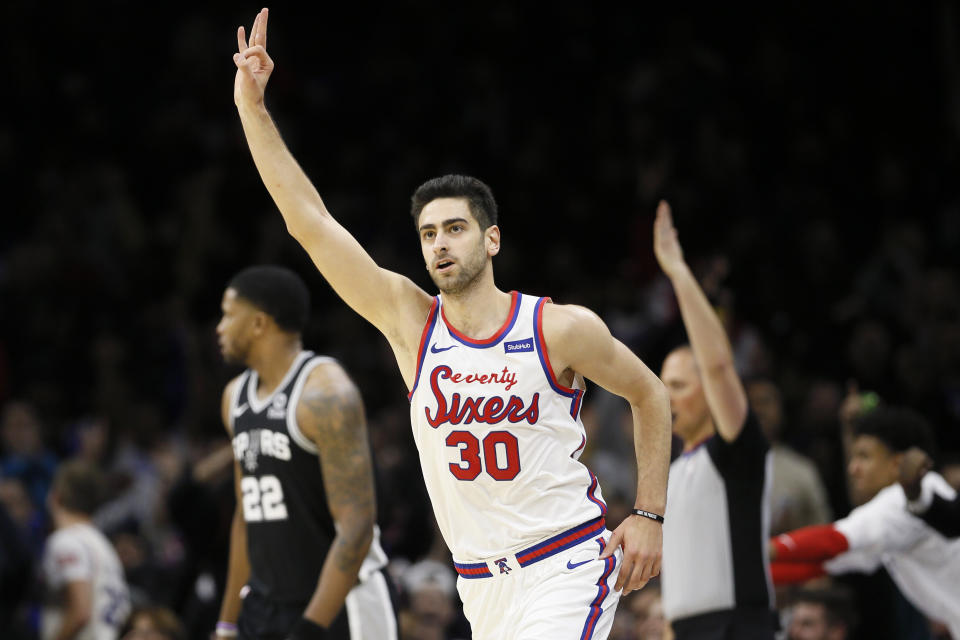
x,y
231,386
67,539
567,318
327,382
324,374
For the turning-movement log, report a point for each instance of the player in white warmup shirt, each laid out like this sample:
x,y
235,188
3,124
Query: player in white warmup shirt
x,y
496,382
87,596
923,563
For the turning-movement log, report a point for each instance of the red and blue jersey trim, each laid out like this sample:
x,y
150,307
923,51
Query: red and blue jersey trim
x,y
603,590
496,337
594,483
473,571
424,340
561,542
575,395
542,550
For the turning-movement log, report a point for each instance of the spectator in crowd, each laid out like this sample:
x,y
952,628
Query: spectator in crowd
x,y
23,454
647,609
154,623
797,495
821,614
429,589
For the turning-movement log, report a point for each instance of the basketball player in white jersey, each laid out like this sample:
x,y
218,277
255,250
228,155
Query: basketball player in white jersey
x,y
305,555
496,383
87,596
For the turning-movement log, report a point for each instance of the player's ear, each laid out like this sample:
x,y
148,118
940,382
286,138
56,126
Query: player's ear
x,y
260,322
491,238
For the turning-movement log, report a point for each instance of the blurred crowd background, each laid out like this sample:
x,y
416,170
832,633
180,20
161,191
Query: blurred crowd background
x,y
810,154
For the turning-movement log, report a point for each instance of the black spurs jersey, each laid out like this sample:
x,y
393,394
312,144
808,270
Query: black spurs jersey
x,y
289,527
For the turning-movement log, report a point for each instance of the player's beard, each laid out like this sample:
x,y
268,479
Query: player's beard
x,y
237,352
469,274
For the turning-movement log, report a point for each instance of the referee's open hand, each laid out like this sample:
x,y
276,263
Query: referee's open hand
x,y
642,543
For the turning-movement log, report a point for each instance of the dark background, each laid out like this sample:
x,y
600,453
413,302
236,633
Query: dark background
x,y
797,142
810,154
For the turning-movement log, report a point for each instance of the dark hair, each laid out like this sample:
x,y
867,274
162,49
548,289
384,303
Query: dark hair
x,y
899,428
278,292
837,603
478,195
163,620
79,486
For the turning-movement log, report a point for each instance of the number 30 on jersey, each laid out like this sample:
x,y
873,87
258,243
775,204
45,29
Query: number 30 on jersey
x,y
501,455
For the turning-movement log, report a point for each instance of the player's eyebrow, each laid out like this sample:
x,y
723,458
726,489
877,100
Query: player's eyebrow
x,y
445,223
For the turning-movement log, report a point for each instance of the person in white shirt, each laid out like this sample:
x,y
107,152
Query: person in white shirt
x,y
88,597
923,563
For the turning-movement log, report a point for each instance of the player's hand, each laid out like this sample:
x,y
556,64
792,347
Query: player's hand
x,y
914,465
642,542
254,66
856,404
666,246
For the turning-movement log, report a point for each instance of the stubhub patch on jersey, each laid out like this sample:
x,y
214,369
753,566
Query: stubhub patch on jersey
x,y
518,345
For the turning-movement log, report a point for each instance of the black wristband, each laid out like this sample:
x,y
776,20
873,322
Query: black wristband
x,y
306,629
647,514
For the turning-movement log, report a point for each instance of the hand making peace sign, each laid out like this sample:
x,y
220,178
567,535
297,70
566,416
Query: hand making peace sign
x,y
254,66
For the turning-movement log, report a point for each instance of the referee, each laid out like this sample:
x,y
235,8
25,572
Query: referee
x,y
716,571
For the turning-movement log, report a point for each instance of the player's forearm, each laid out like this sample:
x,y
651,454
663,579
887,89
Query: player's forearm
x,y
709,340
651,435
238,571
783,573
71,623
816,543
290,188
340,569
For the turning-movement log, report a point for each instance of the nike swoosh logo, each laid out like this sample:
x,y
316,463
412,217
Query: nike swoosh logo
x,y
239,411
573,565
434,349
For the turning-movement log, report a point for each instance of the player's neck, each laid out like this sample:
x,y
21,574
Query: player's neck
x,y
479,312
272,361
63,518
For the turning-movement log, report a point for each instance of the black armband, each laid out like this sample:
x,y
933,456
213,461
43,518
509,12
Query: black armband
x,y
647,514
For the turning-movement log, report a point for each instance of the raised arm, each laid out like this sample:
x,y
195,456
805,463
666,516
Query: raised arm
x,y
238,567
579,343
391,302
330,414
711,347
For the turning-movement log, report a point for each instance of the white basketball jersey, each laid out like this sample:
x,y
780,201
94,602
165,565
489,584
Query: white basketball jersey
x,y
81,553
499,438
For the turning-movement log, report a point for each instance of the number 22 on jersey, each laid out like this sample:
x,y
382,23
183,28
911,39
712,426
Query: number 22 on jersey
x,y
262,499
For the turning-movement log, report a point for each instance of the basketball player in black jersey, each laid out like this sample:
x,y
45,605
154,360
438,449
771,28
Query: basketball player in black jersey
x,y
305,560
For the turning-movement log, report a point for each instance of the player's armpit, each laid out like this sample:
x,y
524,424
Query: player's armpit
x,y
331,415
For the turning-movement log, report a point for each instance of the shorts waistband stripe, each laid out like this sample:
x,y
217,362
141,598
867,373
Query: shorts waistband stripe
x,y
561,541
476,570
